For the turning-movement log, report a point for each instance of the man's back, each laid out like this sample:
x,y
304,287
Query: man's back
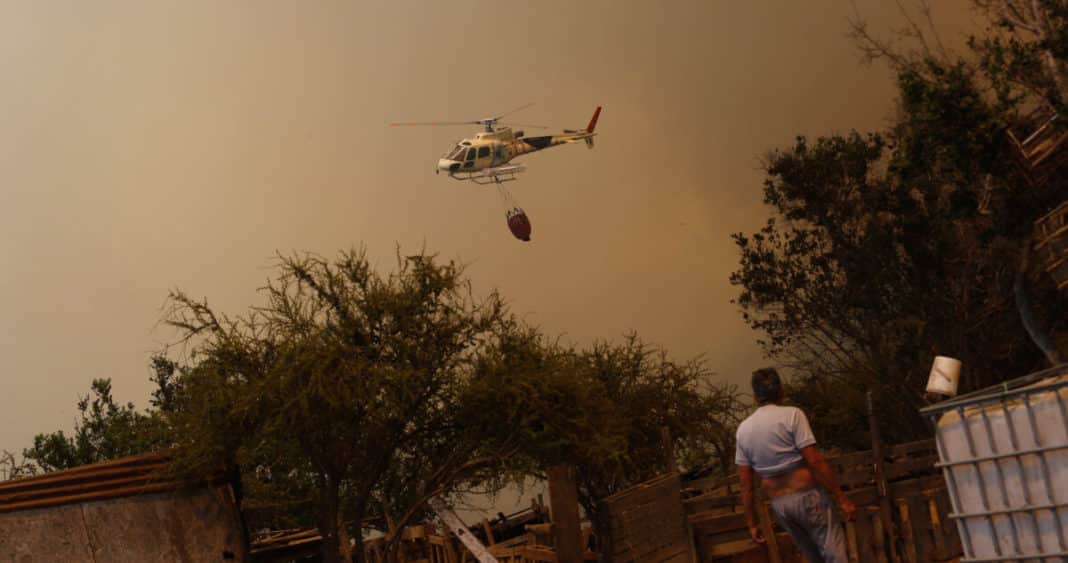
x,y
771,439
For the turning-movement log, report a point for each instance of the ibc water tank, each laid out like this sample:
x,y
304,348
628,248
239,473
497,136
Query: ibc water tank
x,y
1004,454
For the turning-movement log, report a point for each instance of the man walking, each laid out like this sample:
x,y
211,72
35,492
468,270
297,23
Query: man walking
x,y
777,444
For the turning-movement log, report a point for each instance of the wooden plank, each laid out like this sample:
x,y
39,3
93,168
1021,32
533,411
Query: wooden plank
x,y
851,539
768,527
921,526
855,458
938,527
910,447
878,540
865,551
902,468
717,524
691,544
906,531
563,507
710,483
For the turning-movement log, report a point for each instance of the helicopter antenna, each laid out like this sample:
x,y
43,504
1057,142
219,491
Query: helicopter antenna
x,y
516,110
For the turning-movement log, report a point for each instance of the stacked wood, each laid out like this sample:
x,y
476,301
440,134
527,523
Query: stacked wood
x,y
425,543
285,545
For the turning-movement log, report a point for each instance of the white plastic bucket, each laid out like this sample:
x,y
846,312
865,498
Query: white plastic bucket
x,y
945,375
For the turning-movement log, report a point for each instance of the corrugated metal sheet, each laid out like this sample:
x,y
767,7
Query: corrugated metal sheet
x,y
128,476
130,509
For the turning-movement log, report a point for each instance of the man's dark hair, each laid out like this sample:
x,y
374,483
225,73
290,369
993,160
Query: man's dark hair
x,y
767,386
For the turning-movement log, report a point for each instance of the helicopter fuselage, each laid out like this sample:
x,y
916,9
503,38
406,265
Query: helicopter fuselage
x,y
491,149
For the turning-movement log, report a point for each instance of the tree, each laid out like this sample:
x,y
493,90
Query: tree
x,y
1027,47
106,429
11,468
350,380
885,249
603,410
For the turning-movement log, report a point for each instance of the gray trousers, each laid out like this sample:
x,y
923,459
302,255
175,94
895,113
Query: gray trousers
x,y
810,519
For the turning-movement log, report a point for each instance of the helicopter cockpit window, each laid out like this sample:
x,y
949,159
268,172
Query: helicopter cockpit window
x,y
471,153
483,152
456,153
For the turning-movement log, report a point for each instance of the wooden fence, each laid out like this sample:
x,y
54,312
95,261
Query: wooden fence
x,y
907,523
647,523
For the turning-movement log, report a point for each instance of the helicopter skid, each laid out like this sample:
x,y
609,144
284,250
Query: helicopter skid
x,y
496,175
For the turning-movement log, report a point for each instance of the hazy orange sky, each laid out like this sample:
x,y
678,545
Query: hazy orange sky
x,y
149,145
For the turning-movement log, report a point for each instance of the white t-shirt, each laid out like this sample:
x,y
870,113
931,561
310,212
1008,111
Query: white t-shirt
x,y
771,439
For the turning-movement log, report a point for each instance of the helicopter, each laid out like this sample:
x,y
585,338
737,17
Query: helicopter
x,y
487,158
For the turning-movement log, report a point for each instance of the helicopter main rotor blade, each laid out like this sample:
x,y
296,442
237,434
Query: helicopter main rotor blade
x,y
510,124
431,123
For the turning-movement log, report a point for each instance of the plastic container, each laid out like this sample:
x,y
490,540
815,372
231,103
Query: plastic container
x,y
1004,454
945,374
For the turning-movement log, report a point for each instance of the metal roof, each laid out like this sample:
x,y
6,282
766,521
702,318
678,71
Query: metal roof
x,y
123,477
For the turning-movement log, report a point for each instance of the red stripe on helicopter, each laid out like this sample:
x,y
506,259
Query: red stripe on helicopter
x,y
593,120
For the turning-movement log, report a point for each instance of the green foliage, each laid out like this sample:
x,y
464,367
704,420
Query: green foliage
x,y
646,393
11,468
1023,48
886,249
347,383
362,395
106,430
603,411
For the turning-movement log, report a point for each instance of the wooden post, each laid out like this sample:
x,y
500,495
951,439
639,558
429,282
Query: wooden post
x,y
906,530
878,538
854,546
885,514
345,545
692,547
668,450
936,526
768,527
563,507
488,530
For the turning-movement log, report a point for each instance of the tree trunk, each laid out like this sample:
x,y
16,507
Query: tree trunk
x,y
328,519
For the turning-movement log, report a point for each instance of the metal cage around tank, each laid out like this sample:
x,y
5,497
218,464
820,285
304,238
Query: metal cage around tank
x,y
1004,455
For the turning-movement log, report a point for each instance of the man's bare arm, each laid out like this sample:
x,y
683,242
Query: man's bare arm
x,y
821,470
748,483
